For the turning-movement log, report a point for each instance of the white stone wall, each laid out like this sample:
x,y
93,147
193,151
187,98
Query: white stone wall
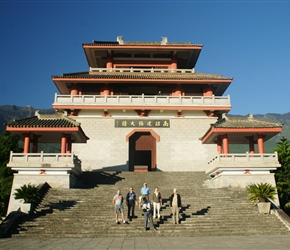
x,y
54,181
241,181
179,149
107,147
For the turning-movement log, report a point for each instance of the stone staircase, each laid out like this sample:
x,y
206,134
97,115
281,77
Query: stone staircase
x,y
87,211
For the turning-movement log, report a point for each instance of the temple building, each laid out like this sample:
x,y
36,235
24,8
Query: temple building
x,y
142,106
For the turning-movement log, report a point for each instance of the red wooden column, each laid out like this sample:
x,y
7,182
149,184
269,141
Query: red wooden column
x,y
177,91
109,61
69,144
74,90
26,145
207,91
63,143
219,146
105,89
261,143
173,62
35,144
251,144
225,141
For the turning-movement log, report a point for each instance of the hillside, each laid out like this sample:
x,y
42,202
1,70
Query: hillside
x,y
11,112
272,143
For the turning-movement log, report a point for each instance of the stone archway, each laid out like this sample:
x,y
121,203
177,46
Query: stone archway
x,y
142,150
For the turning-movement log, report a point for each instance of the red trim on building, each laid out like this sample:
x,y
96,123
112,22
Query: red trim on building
x,y
152,132
143,47
104,80
29,129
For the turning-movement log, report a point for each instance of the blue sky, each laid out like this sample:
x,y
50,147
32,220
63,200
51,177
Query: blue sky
x,y
246,40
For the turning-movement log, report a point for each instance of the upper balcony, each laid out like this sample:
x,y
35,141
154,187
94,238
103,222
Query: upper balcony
x,y
140,87
141,77
143,102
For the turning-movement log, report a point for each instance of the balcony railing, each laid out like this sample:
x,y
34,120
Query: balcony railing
x,y
142,100
43,160
243,162
245,158
142,70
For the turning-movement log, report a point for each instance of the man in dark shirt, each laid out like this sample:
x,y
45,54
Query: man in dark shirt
x,y
131,200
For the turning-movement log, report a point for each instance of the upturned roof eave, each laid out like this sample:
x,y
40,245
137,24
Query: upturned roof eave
x,y
141,76
214,132
48,125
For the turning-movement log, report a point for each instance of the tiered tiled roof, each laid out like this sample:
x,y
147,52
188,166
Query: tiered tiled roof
x,y
44,121
247,126
48,127
245,122
140,43
129,75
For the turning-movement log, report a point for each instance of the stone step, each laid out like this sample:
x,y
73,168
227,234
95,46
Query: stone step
x,y
149,233
87,211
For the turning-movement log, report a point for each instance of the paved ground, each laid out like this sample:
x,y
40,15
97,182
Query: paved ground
x,y
224,242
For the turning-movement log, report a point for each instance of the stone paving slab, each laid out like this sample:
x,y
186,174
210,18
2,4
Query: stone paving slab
x,y
223,242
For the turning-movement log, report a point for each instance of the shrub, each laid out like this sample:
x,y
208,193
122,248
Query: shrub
x,y
261,192
29,193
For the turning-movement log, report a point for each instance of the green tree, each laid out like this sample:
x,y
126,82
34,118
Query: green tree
x,y
282,174
8,142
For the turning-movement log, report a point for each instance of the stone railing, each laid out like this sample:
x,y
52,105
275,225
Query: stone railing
x,y
247,157
243,162
141,70
282,216
142,100
44,161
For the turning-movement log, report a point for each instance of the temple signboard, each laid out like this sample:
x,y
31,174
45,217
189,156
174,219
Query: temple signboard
x,y
143,123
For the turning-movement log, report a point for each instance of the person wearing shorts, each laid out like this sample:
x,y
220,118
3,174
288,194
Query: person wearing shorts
x,y
119,208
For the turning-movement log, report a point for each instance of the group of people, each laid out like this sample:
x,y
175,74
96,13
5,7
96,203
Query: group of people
x,y
150,208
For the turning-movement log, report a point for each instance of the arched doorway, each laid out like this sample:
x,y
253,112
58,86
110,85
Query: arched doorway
x,y
142,150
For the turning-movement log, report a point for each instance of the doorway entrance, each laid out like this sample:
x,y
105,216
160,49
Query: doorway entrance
x,y
142,151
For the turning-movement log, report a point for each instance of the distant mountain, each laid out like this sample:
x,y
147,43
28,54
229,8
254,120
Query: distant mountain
x,y
9,113
280,118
